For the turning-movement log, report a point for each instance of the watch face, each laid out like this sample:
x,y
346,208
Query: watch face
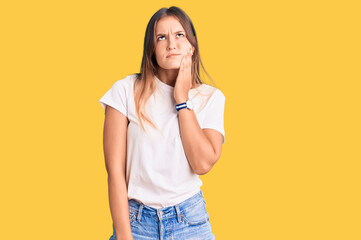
x,y
190,104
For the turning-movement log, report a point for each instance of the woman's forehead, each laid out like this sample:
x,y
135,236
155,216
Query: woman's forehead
x,y
167,24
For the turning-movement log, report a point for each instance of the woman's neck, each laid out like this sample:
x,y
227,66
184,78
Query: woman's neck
x,y
168,76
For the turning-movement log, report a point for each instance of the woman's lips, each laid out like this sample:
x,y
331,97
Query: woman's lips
x,y
173,55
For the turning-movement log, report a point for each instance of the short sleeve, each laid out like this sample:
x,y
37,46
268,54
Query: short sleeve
x,y
117,96
214,111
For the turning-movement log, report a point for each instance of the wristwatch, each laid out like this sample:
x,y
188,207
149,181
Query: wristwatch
x,y
188,104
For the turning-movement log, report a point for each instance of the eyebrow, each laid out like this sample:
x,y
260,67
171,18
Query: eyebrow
x,y
165,34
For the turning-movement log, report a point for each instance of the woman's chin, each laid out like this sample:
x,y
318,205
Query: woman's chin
x,y
170,67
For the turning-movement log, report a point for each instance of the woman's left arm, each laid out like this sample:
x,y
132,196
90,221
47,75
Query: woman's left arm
x,y
202,146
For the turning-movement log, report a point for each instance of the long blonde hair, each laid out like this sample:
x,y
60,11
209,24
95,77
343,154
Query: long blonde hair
x,y
145,84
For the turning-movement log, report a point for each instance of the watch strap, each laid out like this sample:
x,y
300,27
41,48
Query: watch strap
x,y
181,106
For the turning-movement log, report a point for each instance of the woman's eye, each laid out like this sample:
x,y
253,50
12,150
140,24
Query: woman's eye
x,y
164,36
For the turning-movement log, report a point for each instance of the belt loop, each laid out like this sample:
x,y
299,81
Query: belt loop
x,y
140,212
178,212
160,214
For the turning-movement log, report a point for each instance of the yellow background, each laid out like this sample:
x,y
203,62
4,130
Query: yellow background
x,y
290,71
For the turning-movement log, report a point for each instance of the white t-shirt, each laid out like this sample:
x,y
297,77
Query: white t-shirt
x,y
157,172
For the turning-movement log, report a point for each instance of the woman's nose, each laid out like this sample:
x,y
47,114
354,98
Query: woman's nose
x,y
171,44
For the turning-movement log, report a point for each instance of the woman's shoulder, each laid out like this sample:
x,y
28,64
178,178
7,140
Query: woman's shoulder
x,y
126,82
209,90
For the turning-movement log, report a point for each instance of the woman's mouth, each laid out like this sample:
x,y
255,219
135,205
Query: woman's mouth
x,y
172,55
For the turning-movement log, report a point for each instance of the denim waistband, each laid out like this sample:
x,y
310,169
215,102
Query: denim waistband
x,y
166,211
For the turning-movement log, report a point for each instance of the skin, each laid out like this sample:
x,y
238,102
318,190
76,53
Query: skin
x,y
202,146
114,143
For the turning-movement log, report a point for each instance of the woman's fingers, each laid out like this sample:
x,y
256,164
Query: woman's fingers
x,y
186,62
182,62
188,58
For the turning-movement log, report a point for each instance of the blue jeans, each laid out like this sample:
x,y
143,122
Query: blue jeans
x,y
187,220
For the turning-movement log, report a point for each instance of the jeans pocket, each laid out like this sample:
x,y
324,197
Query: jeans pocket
x,y
196,214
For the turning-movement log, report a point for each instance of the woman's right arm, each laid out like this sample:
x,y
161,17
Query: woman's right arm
x,y
115,152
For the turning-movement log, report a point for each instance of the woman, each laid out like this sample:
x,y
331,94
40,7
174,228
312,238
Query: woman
x,y
163,128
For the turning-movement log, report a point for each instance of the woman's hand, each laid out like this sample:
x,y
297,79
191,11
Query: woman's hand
x,y
184,79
